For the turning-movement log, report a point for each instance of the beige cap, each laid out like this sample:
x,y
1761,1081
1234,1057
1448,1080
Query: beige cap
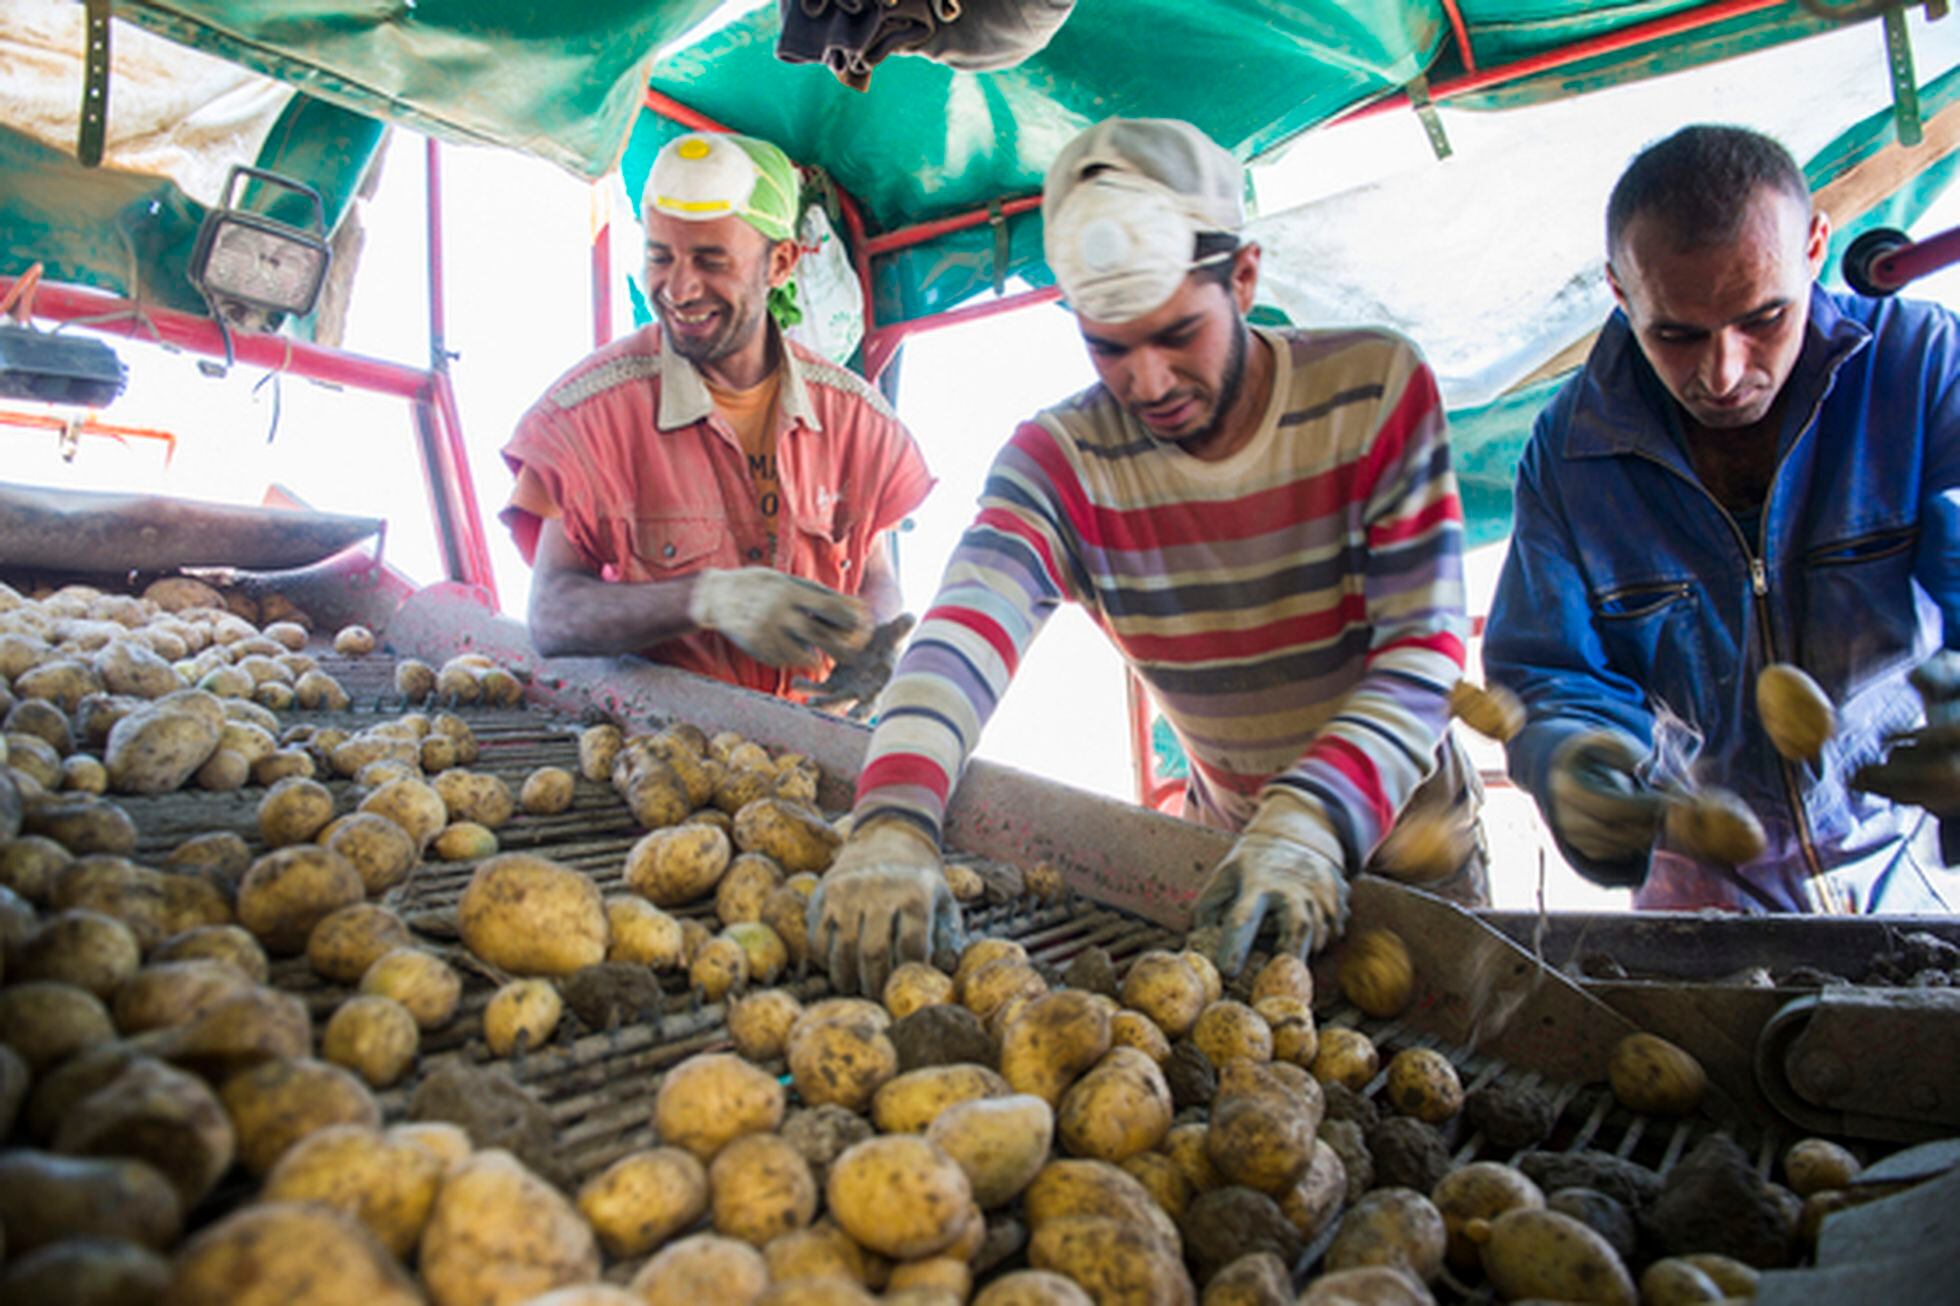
x,y
1123,205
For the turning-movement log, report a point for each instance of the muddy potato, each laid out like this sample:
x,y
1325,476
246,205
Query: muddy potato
x,y
352,756
1310,1204
1118,1109
118,887
223,772
86,1271
348,941
913,985
290,890
641,933
655,795
1395,1227
1422,1083
276,1103
389,1186
1814,1165
413,805
474,796
1672,1281
29,864
839,1054
1055,1040
293,811
1032,1288
909,1103
1001,1143
522,1016
711,1099
980,953
375,1037
63,681
900,1196
250,741
759,1023
676,865
1135,1030
84,774
228,944
353,642
167,994
1264,1141
1796,713
1296,1041
1481,1190
1346,1057
1539,1253
1163,1179
287,1254
598,747
641,1200
744,887
703,1268
719,966
82,824
220,857
421,981
993,986
154,750
1376,973
531,916
47,1022
158,1114
1369,1285
760,1187
381,852
1227,1029
1651,1075
795,837
84,948
1165,988
464,841
46,1197
35,721
500,1234
415,680
547,791
1114,1261
1716,825
1285,976
1185,1145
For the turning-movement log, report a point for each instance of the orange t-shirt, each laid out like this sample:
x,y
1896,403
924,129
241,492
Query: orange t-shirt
x,y
653,480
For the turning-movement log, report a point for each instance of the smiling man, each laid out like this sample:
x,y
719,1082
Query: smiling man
x,y
704,491
1263,522
1748,470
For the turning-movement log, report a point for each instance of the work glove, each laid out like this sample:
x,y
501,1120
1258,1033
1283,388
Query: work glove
x,y
1286,866
884,901
777,618
1923,766
858,679
1600,806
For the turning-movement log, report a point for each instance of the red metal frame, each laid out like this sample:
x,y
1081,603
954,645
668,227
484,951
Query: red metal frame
x,y
602,309
1462,33
1910,262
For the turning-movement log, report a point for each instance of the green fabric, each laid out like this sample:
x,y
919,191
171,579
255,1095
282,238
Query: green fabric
x,y
772,208
1905,206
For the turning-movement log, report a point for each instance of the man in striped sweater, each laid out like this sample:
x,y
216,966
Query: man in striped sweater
x,y
1263,522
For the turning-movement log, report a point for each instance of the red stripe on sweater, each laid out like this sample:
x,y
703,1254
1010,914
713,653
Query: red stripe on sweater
x,y
982,625
1274,636
1446,509
1415,410
1441,641
1360,770
903,769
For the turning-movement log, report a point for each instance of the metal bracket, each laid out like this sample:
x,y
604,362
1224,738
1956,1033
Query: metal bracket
x,y
1432,122
1905,86
1875,1063
95,86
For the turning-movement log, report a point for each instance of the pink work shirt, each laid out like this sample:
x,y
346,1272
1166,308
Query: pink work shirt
x,y
652,484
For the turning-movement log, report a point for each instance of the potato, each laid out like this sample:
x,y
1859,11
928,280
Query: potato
x,y
822,1251
221,858
464,841
531,916
86,1271
642,934
674,866
1796,713
1057,1037
169,994
293,811
223,772
1715,825
446,1142
415,680
1369,1285
521,1017
220,943
1376,973
1653,1076
83,948
82,824
759,1023
1395,1227
352,756
1000,1142
318,690
795,837
1285,976
547,791
45,1197
154,1113
1163,1179
389,1186
763,950
380,850
276,1103
83,774
598,748
909,1103
421,981
913,985
1346,1057
1731,1276
654,794
1112,1260
1312,1203
704,1268
840,1054
1814,1165
38,728
250,741
1481,1190
1528,1252
744,887
1135,1030
987,990
287,1254
29,864
411,804
1295,1039
1227,1029
760,1186
154,750
472,796
1032,1288
348,941
1118,1109
946,1275
64,681
1422,1083
1165,988
1674,1282
641,1200
718,966
500,1234
354,642
712,1099
900,1196
373,1036
236,1032
290,890
1185,1145
47,1022
1264,1141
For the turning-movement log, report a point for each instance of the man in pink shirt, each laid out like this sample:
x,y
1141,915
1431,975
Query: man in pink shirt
x,y
704,491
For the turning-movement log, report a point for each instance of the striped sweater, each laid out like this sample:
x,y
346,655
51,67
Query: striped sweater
x,y
1296,609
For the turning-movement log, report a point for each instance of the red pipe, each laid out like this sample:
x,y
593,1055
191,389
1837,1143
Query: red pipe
x,y
438,318
602,287
64,303
1907,264
473,545
1612,43
919,233
673,110
882,344
1462,35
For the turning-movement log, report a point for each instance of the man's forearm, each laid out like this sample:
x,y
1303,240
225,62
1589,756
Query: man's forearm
x,y
578,615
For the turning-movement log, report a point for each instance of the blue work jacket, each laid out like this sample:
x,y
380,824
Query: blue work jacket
x,y
1632,599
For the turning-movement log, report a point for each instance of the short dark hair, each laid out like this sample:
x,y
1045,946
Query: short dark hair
x,y
1698,183
1221,246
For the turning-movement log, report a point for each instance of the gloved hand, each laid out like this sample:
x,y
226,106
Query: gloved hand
x,y
860,678
1923,767
883,901
1287,865
778,618
1600,807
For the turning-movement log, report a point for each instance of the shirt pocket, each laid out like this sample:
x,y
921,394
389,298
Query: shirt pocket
x,y
1861,610
1647,629
673,545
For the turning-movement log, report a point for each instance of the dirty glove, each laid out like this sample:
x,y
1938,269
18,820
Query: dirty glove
x,y
1287,865
883,901
1599,805
861,677
1923,767
777,618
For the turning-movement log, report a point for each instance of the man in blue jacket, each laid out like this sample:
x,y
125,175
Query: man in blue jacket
x,y
1748,470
